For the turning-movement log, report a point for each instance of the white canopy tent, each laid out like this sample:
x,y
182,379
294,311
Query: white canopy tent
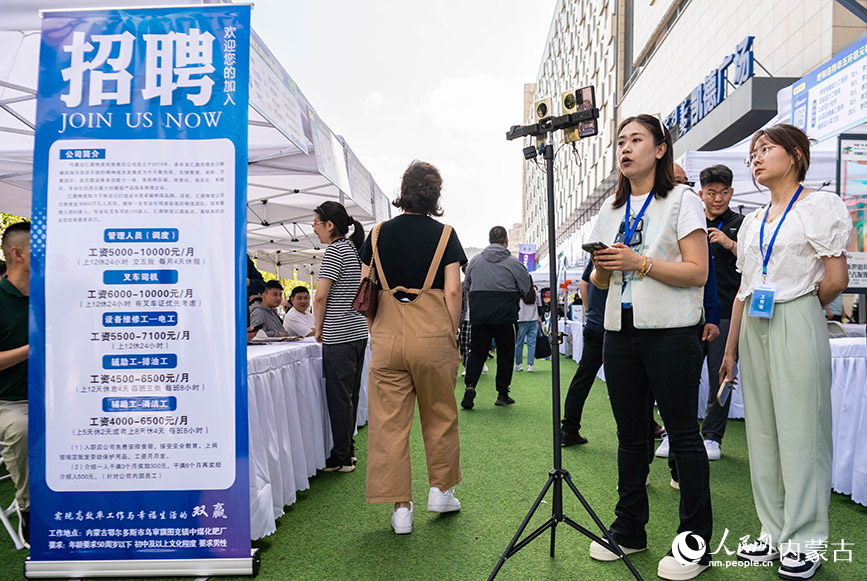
x,y
285,183
748,196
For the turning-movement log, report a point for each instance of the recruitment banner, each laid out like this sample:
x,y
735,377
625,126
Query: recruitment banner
x,y
833,97
138,413
852,188
527,256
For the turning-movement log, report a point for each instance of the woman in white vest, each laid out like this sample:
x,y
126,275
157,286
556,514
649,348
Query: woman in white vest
x,y
792,256
655,267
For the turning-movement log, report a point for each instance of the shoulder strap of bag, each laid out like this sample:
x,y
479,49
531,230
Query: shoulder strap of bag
x,y
438,256
374,273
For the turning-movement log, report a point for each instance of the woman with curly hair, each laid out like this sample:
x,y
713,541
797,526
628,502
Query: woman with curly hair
x,y
414,354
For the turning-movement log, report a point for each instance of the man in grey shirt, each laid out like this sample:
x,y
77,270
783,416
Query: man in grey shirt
x,y
263,316
496,280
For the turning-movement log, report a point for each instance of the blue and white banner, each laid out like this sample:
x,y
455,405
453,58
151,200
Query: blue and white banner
x,y
833,97
138,408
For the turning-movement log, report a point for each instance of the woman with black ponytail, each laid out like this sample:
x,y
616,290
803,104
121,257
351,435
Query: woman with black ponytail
x,y
341,329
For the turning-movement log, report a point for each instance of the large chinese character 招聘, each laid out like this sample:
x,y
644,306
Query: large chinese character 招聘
x,y
171,61
74,73
195,55
743,61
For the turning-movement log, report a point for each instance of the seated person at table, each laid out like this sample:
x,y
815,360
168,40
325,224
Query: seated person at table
x,y
264,316
299,321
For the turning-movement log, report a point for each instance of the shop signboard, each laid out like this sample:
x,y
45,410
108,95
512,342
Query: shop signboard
x,y
360,182
330,159
137,374
711,92
852,188
273,93
833,97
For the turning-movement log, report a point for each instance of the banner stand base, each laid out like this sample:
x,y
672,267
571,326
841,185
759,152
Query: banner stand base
x,y
143,568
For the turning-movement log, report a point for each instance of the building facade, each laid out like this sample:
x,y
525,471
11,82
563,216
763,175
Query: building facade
x,y
580,51
710,69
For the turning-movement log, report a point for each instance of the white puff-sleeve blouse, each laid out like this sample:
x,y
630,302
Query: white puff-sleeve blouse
x,y
817,226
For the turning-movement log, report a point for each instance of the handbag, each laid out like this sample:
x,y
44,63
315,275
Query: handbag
x,y
366,296
543,347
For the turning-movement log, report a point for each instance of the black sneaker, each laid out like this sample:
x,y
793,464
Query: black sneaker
x,y
799,565
504,399
332,465
569,439
758,552
469,396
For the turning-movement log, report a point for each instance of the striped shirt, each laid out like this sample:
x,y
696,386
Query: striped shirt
x,y
342,266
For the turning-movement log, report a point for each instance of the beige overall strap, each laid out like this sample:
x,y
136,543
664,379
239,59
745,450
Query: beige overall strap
x,y
375,263
438,256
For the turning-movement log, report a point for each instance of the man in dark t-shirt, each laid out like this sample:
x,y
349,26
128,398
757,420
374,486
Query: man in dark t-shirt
x,y
14,352
722,229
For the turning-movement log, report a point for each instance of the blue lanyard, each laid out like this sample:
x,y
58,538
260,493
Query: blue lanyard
x,y
629,231
766,256
721,222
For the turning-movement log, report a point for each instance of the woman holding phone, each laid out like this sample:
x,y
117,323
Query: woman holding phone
x,y
792,259
654,269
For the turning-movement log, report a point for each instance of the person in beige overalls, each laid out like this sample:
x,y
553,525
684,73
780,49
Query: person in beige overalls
x,y
414,354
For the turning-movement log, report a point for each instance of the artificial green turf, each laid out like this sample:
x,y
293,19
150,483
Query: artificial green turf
x,y
330,533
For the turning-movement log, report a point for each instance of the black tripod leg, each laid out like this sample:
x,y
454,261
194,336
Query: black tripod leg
x,y
508,552
601,526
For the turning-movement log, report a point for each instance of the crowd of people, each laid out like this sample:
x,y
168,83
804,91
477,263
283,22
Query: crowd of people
x,y
679,277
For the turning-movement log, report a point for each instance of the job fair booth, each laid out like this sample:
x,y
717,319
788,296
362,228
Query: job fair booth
x,y
153,148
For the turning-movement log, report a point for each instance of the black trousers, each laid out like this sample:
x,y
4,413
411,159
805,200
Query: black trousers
x,y
665,364
480,344
716,416
342,364
582,381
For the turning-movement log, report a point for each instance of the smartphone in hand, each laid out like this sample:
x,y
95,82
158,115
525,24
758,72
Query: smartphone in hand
x,y
725,391
592,247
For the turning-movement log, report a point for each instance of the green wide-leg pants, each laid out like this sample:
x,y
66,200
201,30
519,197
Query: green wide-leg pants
x,y
786,366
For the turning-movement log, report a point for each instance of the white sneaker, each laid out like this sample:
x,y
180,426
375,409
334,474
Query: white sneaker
x,y
484,367
674,484
464,372
529,369
439,501
662,451
600,553
758,552
712,448
519,367
671,568
799,566
401,520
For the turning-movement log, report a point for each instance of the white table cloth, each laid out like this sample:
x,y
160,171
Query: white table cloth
x,y
849,417
290,433
854,330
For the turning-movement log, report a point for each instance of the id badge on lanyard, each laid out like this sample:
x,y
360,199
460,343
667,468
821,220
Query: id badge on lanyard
x,y
762,301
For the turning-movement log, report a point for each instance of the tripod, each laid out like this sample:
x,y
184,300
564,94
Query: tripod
x,y
557,475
